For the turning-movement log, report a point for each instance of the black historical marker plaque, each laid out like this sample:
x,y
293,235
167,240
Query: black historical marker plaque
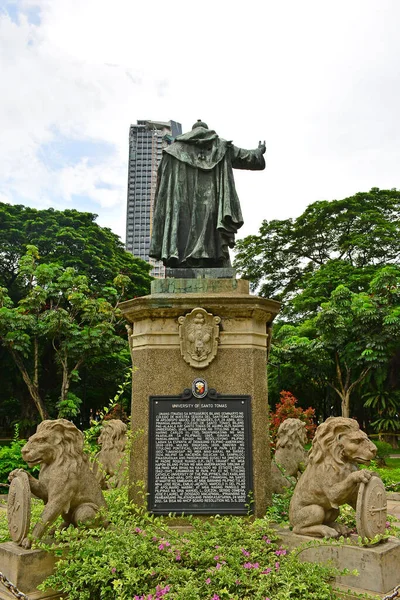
x,y
200,453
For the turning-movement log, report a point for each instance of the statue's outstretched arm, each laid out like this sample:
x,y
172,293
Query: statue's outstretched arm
x,y
252,160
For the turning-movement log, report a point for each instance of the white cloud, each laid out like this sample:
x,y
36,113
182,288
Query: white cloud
x,y
318,80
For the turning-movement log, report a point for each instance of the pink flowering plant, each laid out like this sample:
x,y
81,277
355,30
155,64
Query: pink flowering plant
x,y
139,557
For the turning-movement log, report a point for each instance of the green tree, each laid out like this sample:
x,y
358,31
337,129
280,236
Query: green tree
x,y
351,334
58,310
69,238
301,261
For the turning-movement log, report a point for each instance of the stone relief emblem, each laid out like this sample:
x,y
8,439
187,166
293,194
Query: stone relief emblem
x,y
371,510
199,333
19,507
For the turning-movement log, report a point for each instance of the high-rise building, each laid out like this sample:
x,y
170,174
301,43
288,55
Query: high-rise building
x,y
146,141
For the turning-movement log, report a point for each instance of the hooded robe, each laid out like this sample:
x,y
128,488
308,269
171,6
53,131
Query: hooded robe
x,y
196,207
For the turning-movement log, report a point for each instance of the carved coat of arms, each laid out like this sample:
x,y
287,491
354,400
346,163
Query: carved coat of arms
x,y
199,333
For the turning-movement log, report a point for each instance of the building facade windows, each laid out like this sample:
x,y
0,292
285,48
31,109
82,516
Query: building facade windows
x,y
146,141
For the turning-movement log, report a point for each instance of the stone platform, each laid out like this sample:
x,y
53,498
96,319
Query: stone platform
x,y
378,566
26,569
239,366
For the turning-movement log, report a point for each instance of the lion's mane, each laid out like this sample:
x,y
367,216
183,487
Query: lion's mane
x,y
291,434
325,447
68,447
113,435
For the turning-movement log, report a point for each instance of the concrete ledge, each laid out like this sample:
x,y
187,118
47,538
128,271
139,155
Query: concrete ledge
x,y
26,569
200,285
378,566
201,273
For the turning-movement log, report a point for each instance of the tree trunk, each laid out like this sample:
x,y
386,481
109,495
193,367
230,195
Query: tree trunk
x,y
346,404
32,387
65,383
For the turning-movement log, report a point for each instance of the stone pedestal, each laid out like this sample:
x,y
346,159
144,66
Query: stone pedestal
x,y
239,366
378,566
26,569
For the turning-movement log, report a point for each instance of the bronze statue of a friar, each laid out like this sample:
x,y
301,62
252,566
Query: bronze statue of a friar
x,y
197,210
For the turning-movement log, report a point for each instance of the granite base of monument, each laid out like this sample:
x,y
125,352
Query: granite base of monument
x,y
378,566
26,569
211,329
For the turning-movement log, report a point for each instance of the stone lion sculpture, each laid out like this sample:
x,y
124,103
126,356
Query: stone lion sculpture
x,y
331,477
290,454
66,483
110,465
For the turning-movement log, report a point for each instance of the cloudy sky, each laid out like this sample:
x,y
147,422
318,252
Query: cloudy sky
x,y
319,80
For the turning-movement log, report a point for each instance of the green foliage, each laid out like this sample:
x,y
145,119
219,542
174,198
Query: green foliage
x,y
351,334
383,449
93,431
11,458
140,557
72,239
278,511
336,270
64,245
69,407
58,313
301,261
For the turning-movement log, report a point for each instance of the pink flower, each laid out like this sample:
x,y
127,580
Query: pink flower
x,y
215,597
237,582
277,566
208,581
161,547
218,566
387,524
178,557
266,571
280,552
113,570
216,557
245,553
249,565
266,540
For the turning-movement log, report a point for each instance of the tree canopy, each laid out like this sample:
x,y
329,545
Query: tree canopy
x,y
69,238
336,270
301,261
350,335
61,276
58,312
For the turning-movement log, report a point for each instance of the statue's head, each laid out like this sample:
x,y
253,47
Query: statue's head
x,y
200,123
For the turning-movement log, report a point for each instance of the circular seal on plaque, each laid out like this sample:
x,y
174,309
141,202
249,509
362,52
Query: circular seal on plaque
x,y
199,388
371,511
19,507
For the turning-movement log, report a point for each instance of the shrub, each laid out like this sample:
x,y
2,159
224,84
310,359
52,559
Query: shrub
x,y
383,451
285,409
139,557
11,458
